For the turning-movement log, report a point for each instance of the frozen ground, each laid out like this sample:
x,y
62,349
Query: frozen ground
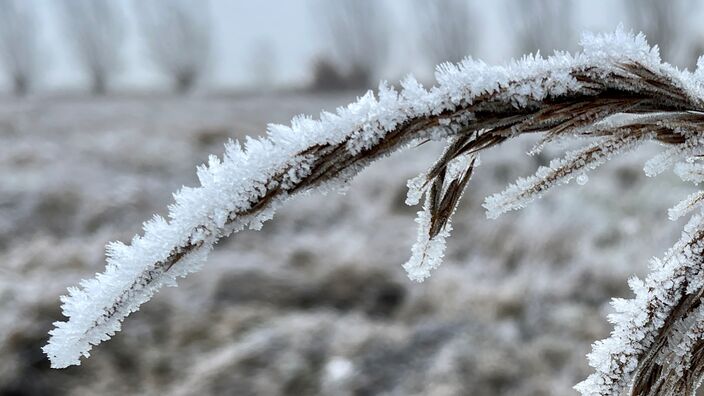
x,y
316,302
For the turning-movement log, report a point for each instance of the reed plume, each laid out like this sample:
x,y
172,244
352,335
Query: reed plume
x,y
614,96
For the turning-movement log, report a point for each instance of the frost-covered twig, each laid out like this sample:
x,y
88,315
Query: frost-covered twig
x,y
617,93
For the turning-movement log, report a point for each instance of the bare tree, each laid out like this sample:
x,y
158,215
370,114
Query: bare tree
x,y
541,25
446,29
664,23
97,31
177,33
358,38
19,50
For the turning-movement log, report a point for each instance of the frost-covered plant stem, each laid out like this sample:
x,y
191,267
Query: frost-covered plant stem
x,y
474,107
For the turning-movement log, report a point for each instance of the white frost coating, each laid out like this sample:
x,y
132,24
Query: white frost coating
x,y
457,167
560,171
416,187
687,205
427,253
686,333
666,159
636,320
690,171
200,216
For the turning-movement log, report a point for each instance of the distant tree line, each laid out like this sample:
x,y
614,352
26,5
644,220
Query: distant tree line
x,y
357,33
177,35
176,32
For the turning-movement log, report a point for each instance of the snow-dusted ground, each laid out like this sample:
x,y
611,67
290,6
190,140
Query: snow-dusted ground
x,y
316,302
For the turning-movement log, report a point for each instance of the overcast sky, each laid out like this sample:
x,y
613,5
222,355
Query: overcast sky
x,y
289,30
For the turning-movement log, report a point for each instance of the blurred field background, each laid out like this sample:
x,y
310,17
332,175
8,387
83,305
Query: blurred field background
x,y
107,106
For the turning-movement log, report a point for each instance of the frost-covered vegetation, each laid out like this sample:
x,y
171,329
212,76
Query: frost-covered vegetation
x,y
616,94
315,302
